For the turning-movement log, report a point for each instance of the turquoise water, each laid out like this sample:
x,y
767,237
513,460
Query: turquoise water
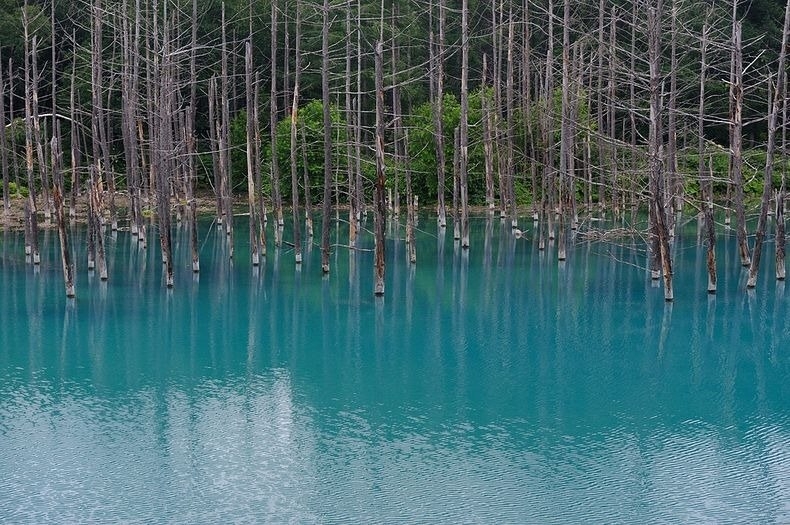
x,y
494,386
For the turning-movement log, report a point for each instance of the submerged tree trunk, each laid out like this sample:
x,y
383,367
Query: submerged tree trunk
x,y
773,118
380,207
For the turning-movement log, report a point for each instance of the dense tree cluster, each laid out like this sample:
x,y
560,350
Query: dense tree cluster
x,y
566,107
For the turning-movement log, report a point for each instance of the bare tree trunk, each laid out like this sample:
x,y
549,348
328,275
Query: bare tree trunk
x,y
456,183
510,132
327,204
773,118
276,194
396,116
255,249
736,146
464,126
294,149
674,182
599,114
616,191
260,217
37,136
31,211
380,208
437,119
349,112
214,136
780,235
224,140
192,143
410,210
60,216
488,150
75,152
3,144
565,132
705,177
655,140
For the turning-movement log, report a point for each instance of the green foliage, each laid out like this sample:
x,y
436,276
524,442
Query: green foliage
x,y
15,191
310,122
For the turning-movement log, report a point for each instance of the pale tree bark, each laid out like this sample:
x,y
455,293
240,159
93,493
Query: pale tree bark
x,y
38,139
410,210
565,132
549,173
255,249
60,215
224,139
350,163
379,205
437,118
327,203
773,118
191,143
4,144
464,126
297,235
656,173
705,180
31,210
75,151
261,215
510,131
456,183
275,166
488,149
736,142
308,199
215,142
675,185
396,116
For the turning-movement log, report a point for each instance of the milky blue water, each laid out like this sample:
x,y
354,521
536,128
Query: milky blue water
x,y
488,386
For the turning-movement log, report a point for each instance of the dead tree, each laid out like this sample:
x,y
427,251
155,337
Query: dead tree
x,y
255,248
656,172
308,199
226,183
353,225
736,144
705,179
380,206
438,71
410,209
31,210
464,126
294,149
3,144
38,138
326,206
773,118
60,215
275,166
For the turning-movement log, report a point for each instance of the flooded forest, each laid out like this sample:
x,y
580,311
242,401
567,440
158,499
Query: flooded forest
x,y
564,120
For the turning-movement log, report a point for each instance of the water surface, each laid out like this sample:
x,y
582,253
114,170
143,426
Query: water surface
x,y
488,386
